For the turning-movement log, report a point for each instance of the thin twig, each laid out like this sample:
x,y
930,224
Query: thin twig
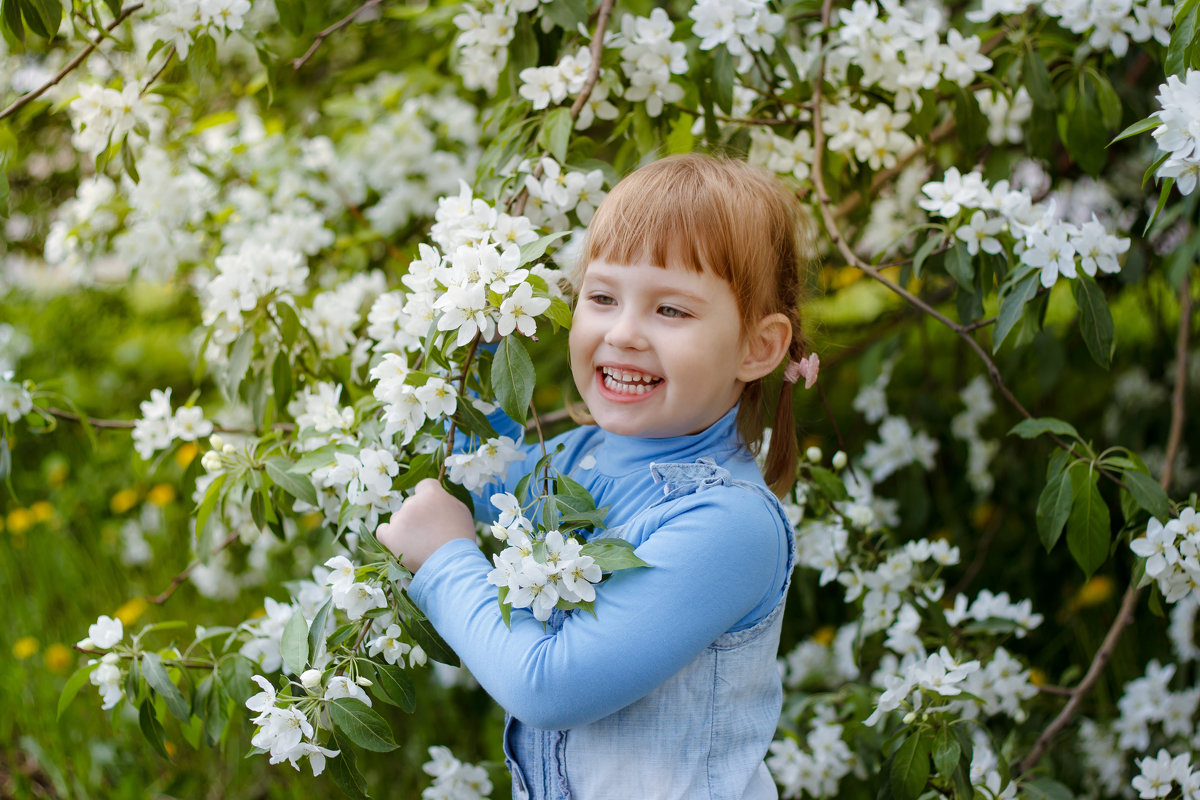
x,y
839,241
596,48
183,576
166,62
462,394
1133,593
129,423
79,58
1178,409
334,28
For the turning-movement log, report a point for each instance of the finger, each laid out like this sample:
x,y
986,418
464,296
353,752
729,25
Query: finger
x,y
428,484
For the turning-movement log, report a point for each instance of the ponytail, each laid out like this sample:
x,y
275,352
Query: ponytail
x,y
779,470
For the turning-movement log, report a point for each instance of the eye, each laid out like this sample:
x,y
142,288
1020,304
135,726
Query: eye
x,y
672,312
602,299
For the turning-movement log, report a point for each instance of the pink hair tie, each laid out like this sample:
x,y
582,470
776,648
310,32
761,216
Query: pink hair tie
x,y
806,368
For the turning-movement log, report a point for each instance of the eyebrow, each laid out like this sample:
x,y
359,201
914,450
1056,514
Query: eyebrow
x,y
656,286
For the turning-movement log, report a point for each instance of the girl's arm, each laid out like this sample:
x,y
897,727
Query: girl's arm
x,y
717,556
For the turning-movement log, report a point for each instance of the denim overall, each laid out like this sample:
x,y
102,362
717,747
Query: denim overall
x,y
702,734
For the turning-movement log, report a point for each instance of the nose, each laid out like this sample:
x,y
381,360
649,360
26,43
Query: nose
x,y
625,333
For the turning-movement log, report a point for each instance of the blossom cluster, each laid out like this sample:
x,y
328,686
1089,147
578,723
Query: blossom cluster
x,y
743,27
559,192
1109,26
816,768
1157,776
1177,134
977,397
104,634
102,116
454,779
158,426
255,272
1043,241
932,679
1172,555
538,569
901,53
991,606
284,731
649,58
482,42
179,22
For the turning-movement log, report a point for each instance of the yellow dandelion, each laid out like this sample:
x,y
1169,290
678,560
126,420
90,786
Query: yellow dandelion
x,y
19,521
123,500
24,647
129,612
982,514
42,511
161,495
186,452
59,658
1096,591
825,635
1037,677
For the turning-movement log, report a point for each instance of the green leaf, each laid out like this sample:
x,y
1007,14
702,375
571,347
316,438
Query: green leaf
x,y
612,554
1012,307
239,362
423,632
204,517
1043,788
1088,526
293,646
927,247
532,251
512,378
946,752
1053,508
74,683
281,381
10,16
344,769
1037,81
910,768
361,725
395,687
681,139
958,264
1148,493
1182,38
316,631
567,14
559,313
1163,193
470,419
1095,320
152,729
1036,426
1080,133
722,79
556,133
1107,99
297,486
43,16
1139,127
156,675
829,484
291,15
972,125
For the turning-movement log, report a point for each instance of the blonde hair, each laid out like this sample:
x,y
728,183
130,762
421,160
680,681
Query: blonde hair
x,y
720,215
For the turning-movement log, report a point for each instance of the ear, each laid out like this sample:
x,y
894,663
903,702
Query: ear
x,y
764,347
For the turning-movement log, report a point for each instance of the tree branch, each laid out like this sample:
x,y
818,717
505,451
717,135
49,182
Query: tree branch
x,y
334,28
178,580
79,58
1129,601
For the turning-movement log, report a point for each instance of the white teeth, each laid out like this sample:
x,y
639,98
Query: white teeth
x,y
628,382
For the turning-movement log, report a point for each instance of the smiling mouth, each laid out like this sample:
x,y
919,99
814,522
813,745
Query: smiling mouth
x,y
626,382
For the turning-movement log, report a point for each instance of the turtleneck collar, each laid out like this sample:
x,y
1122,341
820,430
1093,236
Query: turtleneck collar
x,y
619,455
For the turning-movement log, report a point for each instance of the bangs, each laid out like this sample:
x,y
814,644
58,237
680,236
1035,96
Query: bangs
x,y
664,217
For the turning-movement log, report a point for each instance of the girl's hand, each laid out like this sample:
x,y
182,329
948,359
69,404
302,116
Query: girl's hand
x,y
426,521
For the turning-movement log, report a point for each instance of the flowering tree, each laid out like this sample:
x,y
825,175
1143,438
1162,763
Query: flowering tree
x,y
1001,193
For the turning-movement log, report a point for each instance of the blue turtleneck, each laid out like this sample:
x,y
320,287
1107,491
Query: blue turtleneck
x,y
718,563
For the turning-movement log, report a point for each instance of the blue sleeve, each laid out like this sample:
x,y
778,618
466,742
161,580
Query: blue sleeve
x,y
718,555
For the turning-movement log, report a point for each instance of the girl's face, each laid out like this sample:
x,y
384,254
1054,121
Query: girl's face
x,y
657,352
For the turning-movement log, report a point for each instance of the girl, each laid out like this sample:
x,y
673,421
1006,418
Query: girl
x,y
688,298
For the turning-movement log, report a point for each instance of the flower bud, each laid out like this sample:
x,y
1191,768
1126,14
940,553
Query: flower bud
x,y
216,441
362,681
814,454
839,459
417,657
909,718
211,461
228,449
310,678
